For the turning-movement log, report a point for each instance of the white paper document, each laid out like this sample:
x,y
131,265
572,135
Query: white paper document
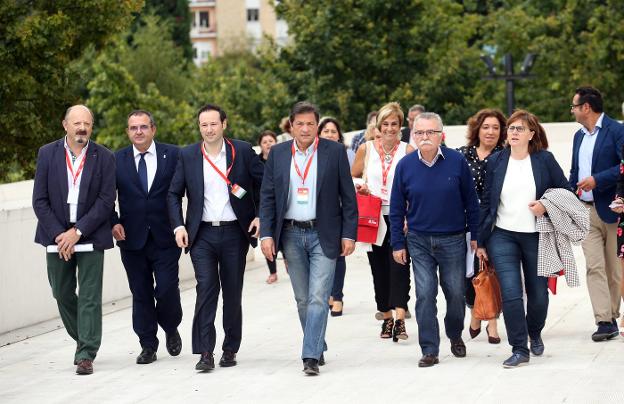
x,y
77,248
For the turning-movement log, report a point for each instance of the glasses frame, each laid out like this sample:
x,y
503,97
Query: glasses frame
x,y
429,133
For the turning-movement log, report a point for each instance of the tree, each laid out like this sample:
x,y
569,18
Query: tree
x,y
39,40
177,13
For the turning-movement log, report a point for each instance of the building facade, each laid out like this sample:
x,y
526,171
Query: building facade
x,y
219,25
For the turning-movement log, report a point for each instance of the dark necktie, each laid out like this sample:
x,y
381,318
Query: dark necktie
x,y
143,172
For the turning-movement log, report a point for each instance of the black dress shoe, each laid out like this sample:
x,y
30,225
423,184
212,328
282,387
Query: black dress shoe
x,y
516,360
147,355
428,360
310,367
228,359
174,343
458,348
537,346
84,367
322,360
206,362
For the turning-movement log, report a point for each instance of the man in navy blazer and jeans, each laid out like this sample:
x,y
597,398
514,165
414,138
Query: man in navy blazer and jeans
x,y
148,248
308,210
596,156
73,195
221,178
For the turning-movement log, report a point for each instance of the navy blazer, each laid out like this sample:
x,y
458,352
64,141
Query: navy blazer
x,y
336,206
605,165
189,177
546,172
144,213
95,201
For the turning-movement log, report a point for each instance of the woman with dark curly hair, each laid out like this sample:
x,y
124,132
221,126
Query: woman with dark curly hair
x,y
485,129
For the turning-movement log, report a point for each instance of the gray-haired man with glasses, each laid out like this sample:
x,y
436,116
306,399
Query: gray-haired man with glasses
x,y
433,190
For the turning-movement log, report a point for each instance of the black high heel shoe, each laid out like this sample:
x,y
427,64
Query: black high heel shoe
x,y
473,332
492,340
386,328
398,332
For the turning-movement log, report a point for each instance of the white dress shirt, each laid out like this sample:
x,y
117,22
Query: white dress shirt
x,y
518,190
302,211
73,207
586,153
151,161
217,205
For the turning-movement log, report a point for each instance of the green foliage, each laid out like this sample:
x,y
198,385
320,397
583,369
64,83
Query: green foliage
x,y
177,13
150,74
38,42
245,87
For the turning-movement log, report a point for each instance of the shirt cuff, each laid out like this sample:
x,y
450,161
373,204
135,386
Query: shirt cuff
x,y
176,229
265,238
347,238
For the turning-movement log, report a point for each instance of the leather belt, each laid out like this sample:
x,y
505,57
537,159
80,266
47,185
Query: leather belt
x,y
307,224
219,224
587,202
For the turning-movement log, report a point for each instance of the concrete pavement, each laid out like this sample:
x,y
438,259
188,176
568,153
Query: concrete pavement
x,y
361,368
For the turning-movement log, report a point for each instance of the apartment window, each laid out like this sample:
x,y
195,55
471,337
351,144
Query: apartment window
x,y
204,22
253,14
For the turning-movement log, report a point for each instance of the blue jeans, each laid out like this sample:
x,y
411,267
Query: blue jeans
x,y
448,252
339,277
507,250
312,276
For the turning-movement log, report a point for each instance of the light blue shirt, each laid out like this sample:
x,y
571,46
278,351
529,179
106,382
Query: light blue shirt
x,y
295,210
586,152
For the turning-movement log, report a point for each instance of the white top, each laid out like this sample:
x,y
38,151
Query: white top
x,y
295,210
217,205
518,190
150,162
74,192
373,172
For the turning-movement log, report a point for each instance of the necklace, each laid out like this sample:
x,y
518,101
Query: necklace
x,y
387,155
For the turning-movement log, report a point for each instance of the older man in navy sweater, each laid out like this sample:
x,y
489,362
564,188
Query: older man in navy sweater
x,y
434,190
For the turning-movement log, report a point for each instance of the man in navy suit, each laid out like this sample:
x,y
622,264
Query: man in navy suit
x,y
309,211
73,195
148,248
596,156
221,178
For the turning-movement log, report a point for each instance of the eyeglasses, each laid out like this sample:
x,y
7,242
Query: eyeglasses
x,y
519,129
136,128
572,106
430,133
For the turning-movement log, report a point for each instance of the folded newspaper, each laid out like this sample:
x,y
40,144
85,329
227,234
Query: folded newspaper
x,y
77,248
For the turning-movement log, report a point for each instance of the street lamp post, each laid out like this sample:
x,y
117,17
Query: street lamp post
x,y
509,76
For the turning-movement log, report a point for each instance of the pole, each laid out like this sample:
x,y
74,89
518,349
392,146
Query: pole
x,y
509,73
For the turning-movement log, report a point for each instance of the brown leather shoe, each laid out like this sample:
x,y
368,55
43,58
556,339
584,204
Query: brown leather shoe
x,y
458,348
85,367
428,360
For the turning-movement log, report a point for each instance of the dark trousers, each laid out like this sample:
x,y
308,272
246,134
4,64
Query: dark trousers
x,y
390,279
507,250
153,306
339,277
219,257
470,291
81,314
272,266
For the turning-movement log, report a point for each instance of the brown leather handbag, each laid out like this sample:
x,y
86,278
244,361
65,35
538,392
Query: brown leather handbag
x,y
488,303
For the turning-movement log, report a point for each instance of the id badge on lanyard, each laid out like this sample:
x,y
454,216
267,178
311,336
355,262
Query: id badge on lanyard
x,y
72,192
303,192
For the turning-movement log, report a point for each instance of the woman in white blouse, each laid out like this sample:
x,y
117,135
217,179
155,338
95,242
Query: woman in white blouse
x,y
516,178
375,163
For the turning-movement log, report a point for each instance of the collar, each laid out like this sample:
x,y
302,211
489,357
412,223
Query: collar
x,y
84,149
438,155
596,128
307,151
150,150
221,153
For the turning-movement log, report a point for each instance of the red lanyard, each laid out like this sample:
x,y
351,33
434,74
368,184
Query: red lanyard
x,y
307,169
71,166
227,173
385,170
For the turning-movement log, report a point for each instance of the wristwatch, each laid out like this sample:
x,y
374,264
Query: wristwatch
x,y
78,232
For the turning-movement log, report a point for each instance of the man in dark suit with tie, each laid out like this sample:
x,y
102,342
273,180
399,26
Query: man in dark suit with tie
x,y
148,248
309,210
221,178
73,195
596,157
